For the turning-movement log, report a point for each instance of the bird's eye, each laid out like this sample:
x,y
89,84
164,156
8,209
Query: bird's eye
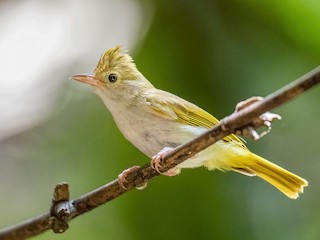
x,y
112,77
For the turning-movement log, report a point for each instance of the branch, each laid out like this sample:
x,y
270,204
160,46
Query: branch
x,y
63,209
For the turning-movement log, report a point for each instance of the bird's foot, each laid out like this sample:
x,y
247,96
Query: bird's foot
x,y
122,178
156,163
264,119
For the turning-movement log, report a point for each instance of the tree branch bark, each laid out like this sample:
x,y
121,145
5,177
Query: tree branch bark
x,y
63,209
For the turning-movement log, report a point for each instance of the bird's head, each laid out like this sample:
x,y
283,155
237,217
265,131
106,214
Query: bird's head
x,y
115,68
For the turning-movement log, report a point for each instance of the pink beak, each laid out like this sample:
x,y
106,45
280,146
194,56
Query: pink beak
x,y
87,78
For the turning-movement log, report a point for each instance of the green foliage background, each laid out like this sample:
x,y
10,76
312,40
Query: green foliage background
x,y
215,54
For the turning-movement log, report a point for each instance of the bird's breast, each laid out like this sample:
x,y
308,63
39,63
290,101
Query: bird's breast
x,y
150,133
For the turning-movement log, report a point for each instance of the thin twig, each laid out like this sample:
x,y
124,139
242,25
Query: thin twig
x,y
64,210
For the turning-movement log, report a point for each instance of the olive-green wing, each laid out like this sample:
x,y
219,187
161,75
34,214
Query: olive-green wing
x,y
169,106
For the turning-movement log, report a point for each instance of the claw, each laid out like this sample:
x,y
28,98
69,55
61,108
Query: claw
x,y
122,178
267,119
264,119
156,163
243,104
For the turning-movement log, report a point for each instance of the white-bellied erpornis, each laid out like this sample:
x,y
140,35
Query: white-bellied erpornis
x,y
155,121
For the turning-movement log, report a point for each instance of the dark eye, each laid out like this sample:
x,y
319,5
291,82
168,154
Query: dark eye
x,y
112,77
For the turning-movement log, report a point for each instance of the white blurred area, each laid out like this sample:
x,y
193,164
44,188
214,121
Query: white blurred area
x,y
39,42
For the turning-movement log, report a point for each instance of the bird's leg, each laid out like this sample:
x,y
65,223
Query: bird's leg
x,y
122,178
156,163
264,119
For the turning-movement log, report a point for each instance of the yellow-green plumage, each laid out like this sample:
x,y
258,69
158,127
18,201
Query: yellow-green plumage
x,y
177,109
152,119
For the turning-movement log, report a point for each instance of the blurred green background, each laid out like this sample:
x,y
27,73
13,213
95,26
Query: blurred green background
x,y
214,53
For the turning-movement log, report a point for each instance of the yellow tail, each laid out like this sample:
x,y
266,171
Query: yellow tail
x,y
287,182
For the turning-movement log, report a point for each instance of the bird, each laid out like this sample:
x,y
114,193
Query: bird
x,y
156,121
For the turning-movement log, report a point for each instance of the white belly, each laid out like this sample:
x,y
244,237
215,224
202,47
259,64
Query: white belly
x,y
151,137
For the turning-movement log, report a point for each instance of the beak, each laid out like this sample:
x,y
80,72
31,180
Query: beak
x,y
87,78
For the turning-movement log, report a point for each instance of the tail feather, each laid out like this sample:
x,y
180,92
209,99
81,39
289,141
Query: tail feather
x,y
288,183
